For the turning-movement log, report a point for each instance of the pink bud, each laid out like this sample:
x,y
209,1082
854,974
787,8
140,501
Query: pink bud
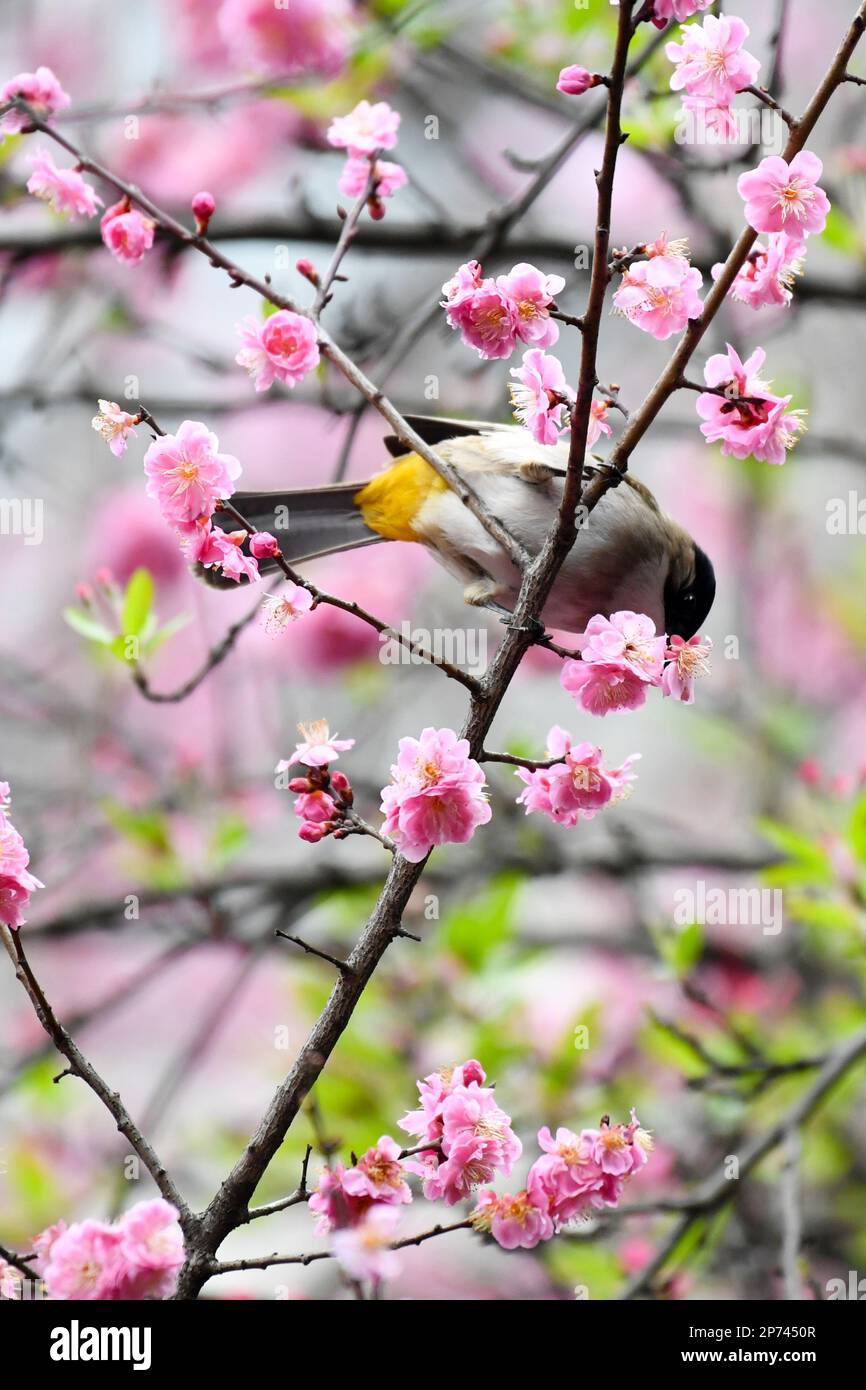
x,y
299,784
376,208
473,1071
84,594
308,270
203,206
104,578
311,833
340,782
574,81
263,544
809,772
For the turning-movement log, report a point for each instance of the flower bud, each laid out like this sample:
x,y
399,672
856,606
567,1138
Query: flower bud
x,y
311,833
306,268
203,206
575,80
263,545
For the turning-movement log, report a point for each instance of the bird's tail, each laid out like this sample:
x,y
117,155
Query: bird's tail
x,y
307,522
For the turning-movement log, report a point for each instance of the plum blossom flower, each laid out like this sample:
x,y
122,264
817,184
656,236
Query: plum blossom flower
x,y
127,233
760,425
263,545
782,197
151,1251
290,604
318,746
63,189
711,61
436,796
135,1258
187,475
304,36
477,1141
768,276
627,637
663,10
603,687
660,295
40,89
16,881
115,426
364,1250
532,293
366,130
356,173
434,1090
598,423
84,1262
711,118
283,348
541,396
518,1222
211,547
574,788
333,1205
575,80
687,661
378,1174
581,1173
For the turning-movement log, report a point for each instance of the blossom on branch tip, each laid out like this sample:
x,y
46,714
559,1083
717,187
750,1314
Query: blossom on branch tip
x,y
126,232
318,747
687,661
283,348
576,787
115,426
711,61
388,177
63,189
366,130
290,604
40,89
782,197
767,278
759,425
437,794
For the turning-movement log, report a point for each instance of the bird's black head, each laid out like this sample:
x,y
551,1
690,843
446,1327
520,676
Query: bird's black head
x,y
689,593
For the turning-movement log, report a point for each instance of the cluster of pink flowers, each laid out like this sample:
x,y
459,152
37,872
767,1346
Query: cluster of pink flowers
x,y
782,197
282,348
575,1175
711,67
135,1258
747,419
63,189
493,315
623,656
576,787
436,796
40,89
472,1135
188,477
16,881
126,232
542,399
303,36
769,273
366,131
323,797
665,10
660,294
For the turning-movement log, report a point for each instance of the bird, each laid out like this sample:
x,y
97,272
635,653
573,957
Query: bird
x,y
628,556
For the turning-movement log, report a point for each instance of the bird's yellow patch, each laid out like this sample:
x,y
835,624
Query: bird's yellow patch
x,y
391,501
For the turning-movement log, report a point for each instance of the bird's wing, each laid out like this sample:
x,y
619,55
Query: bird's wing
x,y
435,429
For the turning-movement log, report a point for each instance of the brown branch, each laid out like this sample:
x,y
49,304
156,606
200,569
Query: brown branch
x,y
268,1261
340,965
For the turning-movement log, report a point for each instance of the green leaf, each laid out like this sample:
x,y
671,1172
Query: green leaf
x,y
474,930
137,603
857,828
842,234
88,627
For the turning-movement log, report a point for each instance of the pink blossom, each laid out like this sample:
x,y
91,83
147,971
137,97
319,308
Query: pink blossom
x,y
316,807
663,10
290,604
187,476
575,80
44,1243
660,295
580,1173
378,1174
151,1251
318,747
465,280
626,637
484,315
84,1262
712,118
364,1250
601,688
63,189
127,233
575,788
356,173
283,348
436,796
532,293
427,1123
518,1222
16,881
333,1205
366,130
541,400
687,661
711,61
40,89
115,426
760,426
784,197
768,275
304,36
598,424
263,545
476,1142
